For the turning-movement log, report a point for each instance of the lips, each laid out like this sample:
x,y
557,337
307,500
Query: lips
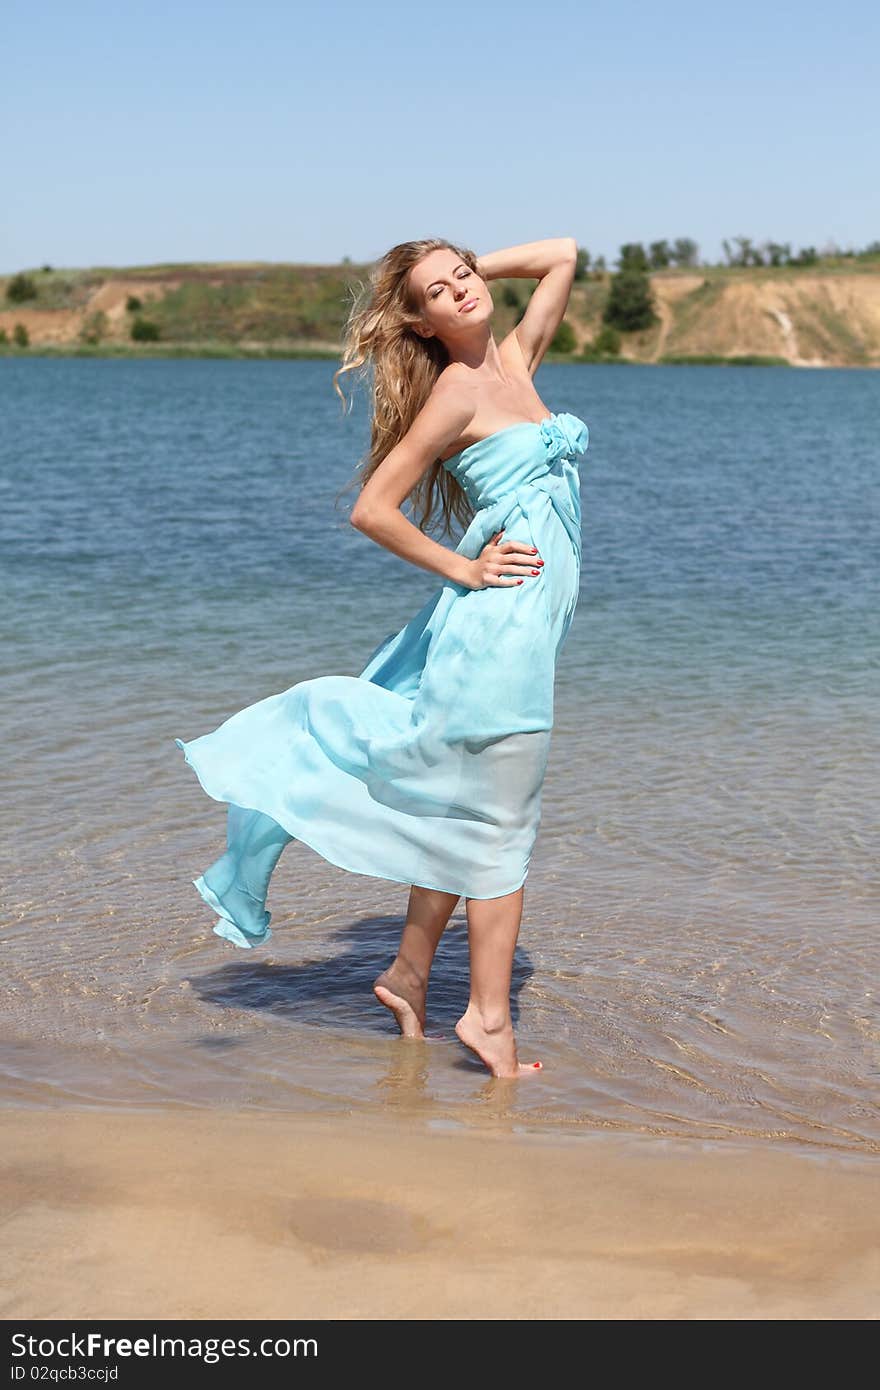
x,y
468,304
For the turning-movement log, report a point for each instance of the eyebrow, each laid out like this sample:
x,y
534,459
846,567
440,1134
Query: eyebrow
x,y
439,282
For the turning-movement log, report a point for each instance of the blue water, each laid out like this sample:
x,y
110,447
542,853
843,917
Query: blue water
x,y
699,944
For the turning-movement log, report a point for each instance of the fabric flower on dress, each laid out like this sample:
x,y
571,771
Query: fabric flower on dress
x,y
564,435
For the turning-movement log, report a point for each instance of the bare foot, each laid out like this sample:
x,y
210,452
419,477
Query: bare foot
x,y
404,994
494,1046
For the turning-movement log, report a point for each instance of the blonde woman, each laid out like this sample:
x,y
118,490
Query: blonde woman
x,y
427,768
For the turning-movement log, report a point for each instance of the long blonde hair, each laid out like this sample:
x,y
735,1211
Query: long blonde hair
x,y
379,331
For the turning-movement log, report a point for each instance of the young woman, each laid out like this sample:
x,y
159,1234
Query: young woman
x,y
427,768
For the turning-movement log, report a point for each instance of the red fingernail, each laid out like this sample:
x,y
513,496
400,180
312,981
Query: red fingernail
x,y
534,550
536,571
536,1064
519,581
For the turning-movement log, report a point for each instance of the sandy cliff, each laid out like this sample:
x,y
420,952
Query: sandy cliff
x,y
811,317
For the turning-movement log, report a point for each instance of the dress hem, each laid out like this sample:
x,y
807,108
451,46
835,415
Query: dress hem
x,y
331,859
225,926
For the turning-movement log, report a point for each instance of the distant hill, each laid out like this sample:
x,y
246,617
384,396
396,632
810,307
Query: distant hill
x,y
823,315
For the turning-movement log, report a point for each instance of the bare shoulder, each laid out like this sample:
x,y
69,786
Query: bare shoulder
x,y
453,381
450,407
437,425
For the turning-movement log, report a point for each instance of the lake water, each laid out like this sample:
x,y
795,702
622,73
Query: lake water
x,y
698,952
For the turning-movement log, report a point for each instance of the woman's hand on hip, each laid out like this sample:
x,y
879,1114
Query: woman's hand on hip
x,y
502,565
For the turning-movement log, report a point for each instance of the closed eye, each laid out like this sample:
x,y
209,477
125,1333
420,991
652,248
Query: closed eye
x,y
440,287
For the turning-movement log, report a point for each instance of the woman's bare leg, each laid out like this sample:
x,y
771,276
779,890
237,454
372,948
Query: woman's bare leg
x,y
403,986
486,1026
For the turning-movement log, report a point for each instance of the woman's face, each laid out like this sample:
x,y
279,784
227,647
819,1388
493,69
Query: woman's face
x,y
450,298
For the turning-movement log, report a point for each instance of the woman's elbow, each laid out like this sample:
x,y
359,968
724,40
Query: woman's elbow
x,y
362,517
373,513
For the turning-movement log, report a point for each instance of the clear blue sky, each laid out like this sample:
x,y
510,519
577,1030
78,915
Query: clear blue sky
x,y
136,133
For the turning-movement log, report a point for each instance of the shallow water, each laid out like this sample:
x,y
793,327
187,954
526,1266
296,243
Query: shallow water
x,y
698,952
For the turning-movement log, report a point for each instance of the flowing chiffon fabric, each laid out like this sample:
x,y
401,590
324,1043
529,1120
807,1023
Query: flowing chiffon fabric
x,y
427,767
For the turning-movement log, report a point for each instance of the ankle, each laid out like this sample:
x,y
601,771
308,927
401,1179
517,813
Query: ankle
x,y
491,1019
408,973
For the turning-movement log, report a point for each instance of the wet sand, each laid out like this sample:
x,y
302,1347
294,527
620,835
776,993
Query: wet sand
x,y
220,1214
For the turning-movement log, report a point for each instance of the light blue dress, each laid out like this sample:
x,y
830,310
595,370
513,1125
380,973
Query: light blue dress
x,y
428,767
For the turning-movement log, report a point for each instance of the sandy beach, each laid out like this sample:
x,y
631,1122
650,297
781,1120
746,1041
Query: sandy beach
x,y
200,1132
223,1214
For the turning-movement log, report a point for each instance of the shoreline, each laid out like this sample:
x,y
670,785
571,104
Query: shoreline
x,y
224,353
191,1213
